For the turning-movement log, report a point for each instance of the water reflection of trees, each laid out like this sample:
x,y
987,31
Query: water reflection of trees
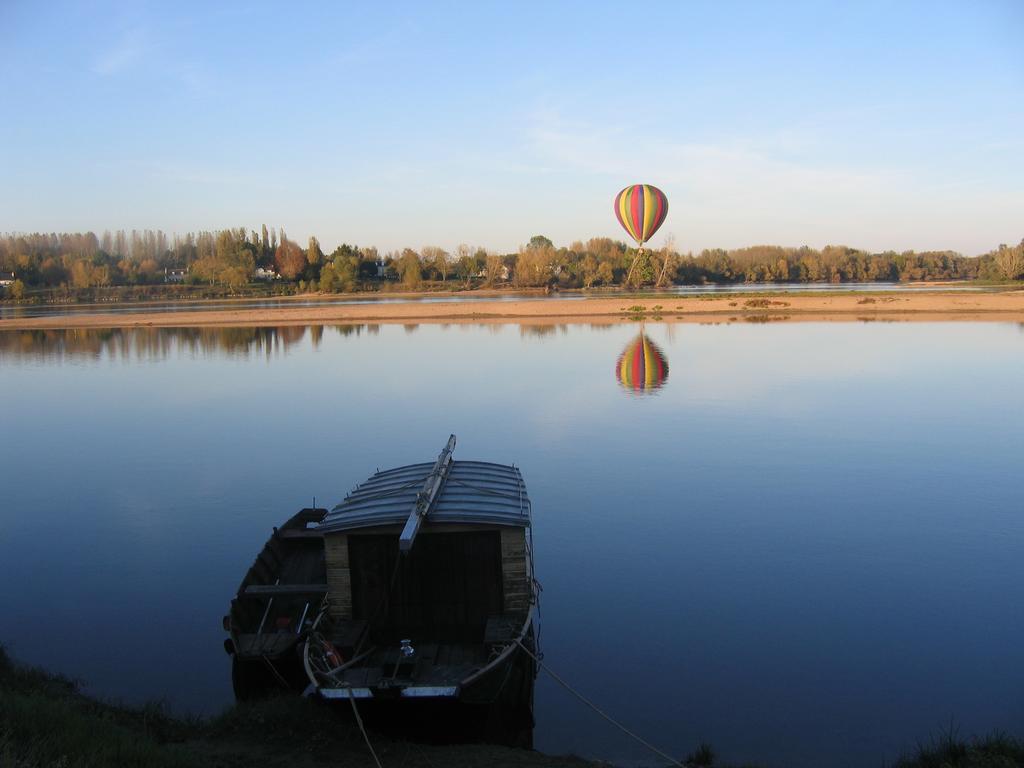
x,y
542,331
160,343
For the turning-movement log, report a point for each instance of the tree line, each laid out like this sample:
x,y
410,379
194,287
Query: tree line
x,y
235,257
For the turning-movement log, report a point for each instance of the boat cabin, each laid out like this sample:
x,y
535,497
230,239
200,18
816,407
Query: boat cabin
x,y
429,582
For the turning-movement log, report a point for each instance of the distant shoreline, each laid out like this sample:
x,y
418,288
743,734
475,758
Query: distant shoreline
x,y
892,305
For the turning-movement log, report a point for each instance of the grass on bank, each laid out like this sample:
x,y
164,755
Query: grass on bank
x,y
948,750
45,721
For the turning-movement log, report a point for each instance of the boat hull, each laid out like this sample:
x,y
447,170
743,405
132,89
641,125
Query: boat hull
x,y
269,617
259,677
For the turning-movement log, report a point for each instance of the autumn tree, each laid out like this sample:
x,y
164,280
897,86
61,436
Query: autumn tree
x,y
534,262
467,266
224,258
588,270
494,268
86,275
1009,262
313,253
668,259
437,259
289,260
83,260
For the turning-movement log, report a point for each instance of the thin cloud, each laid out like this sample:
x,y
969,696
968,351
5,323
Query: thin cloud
x,y
746,192
199,175
121,55
195,79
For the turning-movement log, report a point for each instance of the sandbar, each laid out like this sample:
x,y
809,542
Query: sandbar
x,y
932,306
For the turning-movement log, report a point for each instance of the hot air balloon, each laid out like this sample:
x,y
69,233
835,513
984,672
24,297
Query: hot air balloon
x,y
641,209
642,367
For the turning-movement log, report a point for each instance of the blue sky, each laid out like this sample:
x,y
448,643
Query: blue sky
x,y
880,125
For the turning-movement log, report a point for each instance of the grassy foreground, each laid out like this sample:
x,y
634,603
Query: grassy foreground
x,y
45,721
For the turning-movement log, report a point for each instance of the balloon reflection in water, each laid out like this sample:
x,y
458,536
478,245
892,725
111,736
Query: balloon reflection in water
x,y
642,367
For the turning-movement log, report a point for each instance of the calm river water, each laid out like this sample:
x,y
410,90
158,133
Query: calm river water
x,y
804,545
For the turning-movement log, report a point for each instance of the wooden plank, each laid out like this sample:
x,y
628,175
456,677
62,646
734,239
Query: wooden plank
x,y
299,533
503,629
270,559
515,571
339,576
258,645
339,595
336,549
346,634
260,571
309,515
427,496
277,590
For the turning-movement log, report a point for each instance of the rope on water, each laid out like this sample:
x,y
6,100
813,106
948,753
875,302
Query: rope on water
x,y
594,707
359,721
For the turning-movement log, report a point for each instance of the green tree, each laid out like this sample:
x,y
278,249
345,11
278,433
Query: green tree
x,y
410,271
329,279
341,273
265,252
641,271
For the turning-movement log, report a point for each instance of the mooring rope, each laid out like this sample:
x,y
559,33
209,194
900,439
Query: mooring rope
x,y
359,722
599,711
281,680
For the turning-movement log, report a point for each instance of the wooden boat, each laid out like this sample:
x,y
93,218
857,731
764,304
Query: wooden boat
x,y
275,608
431,600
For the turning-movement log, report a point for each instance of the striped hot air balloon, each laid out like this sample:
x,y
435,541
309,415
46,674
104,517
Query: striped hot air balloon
x,y
641,209
642,367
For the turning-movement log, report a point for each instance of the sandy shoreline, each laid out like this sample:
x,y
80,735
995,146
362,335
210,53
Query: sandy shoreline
x,y
894,306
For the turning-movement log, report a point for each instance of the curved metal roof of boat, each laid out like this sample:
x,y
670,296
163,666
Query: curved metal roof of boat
x,y
475,492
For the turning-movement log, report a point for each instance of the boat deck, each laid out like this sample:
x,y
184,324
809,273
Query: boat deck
x,y
434,664
281,592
